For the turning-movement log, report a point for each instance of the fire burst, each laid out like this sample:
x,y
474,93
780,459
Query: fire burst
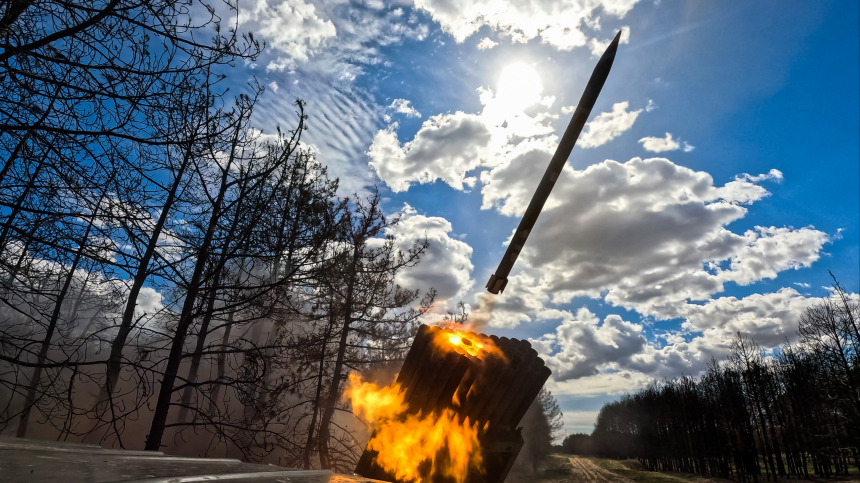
x,y
470,343
414,447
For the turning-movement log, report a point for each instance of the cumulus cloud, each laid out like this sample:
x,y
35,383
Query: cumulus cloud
x,y
446,147
647,235
608,126
445,266
486,43
280,64
767,251
582,345
290,26
602,384
300,33
149,302
768,318
509,186
513,307
274,86
598,47
659,145
585,350
558,24
402,106
773,174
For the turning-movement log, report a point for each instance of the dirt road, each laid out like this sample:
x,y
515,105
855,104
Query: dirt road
x,y
586,470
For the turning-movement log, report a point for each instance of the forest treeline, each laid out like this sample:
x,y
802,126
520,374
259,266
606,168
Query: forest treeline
x,y
794,412
170,276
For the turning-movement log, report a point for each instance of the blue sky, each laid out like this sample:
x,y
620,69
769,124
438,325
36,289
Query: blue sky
x,y
715,185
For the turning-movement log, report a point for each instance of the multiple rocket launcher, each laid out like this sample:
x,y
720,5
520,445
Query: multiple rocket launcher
x,y
492,389
495,390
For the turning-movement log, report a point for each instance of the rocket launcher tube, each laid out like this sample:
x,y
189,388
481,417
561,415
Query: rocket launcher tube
x,y
498,280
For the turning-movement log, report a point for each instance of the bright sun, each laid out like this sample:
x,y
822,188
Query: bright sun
x,y
519,86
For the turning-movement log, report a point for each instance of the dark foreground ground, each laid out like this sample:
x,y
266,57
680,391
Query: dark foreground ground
x,y
582,469
32,461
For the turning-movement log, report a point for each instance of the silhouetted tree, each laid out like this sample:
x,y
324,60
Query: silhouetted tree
x,y
781,413
540,424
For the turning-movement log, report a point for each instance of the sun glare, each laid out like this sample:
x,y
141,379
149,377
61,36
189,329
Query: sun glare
x,y
519,87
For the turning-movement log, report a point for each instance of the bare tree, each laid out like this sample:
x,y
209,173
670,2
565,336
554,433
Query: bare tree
x,y
363,317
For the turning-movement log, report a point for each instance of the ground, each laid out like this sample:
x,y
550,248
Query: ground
x,y
560,468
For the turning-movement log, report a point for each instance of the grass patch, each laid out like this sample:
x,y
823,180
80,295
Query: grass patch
x,y
552,469
633,470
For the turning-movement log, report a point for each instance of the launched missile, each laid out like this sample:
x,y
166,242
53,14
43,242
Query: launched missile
x,y
498,280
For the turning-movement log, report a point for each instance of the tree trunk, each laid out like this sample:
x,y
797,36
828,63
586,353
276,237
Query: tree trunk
x,y
49,334
198,350
222,366
162,407
306,455
331,399
114,363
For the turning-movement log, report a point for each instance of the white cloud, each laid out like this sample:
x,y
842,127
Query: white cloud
x,y
342,120
767,251
512,307
149,302
647,235
608,126
509,186
486,43
291,26
579,421
615,355
602,384
360,34
659,145
557,23
773,174
280,64
742,192
567,109
324,47
274,86
446,147
598,47
582,345
402,106
445,266
768,318
651,105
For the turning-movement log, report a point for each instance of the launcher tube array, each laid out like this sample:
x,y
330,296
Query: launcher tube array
x,y
493,388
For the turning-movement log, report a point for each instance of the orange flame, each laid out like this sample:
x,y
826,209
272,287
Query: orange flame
x,y
473,344
412,447
372,402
